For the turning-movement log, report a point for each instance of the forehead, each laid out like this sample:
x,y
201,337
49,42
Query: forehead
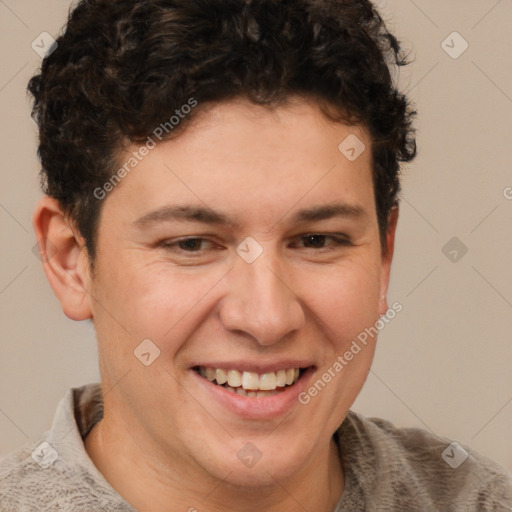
x,y
254,162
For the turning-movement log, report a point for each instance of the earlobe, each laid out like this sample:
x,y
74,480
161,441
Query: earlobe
x,y
387,257
64,258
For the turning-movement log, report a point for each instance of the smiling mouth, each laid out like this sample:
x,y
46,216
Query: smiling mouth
x,y
251,384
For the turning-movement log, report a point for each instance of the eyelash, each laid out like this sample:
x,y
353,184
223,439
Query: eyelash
x,y
338,241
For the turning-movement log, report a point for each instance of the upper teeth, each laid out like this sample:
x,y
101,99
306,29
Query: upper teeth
x,y
251,380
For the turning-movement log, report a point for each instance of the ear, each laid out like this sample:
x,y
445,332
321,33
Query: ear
x,y
387,257
64,257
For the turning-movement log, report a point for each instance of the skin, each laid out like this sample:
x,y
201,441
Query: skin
x,y
164,442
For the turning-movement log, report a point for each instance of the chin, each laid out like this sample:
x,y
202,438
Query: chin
x,y
250,466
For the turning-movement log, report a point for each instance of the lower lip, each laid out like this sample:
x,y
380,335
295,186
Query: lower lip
x,y
246,407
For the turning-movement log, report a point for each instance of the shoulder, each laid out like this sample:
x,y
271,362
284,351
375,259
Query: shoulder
x,y
30,478
55,472
409,465
35,479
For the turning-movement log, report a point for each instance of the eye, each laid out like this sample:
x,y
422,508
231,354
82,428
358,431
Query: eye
x,y
191,250
186,244
318,241
191,244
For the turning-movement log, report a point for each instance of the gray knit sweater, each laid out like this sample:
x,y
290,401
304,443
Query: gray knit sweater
x,y
387,469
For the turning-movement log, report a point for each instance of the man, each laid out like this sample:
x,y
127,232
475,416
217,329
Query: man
x,y
221,182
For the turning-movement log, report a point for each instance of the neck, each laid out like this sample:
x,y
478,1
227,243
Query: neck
x,y
148,483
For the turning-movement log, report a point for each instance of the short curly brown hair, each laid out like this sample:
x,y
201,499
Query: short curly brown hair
x,y
122,67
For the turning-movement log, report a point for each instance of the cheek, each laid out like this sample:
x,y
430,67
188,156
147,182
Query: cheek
x,y
346,306
347,300
156,301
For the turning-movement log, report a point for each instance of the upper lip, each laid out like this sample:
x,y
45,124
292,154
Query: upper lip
x,y
256,367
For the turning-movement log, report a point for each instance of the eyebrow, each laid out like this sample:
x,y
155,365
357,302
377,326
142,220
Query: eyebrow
x,y
328,211
189,213
206,215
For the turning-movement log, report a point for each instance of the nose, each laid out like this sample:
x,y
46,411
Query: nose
x,y
260,302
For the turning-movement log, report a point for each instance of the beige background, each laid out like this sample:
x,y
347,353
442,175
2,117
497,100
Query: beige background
x,y
444,362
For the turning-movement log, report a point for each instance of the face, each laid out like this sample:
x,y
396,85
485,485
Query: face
x,y
245,249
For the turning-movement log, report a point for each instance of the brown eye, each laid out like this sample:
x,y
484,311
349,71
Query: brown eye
x,y
314,240
321,241
190,244
187,245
